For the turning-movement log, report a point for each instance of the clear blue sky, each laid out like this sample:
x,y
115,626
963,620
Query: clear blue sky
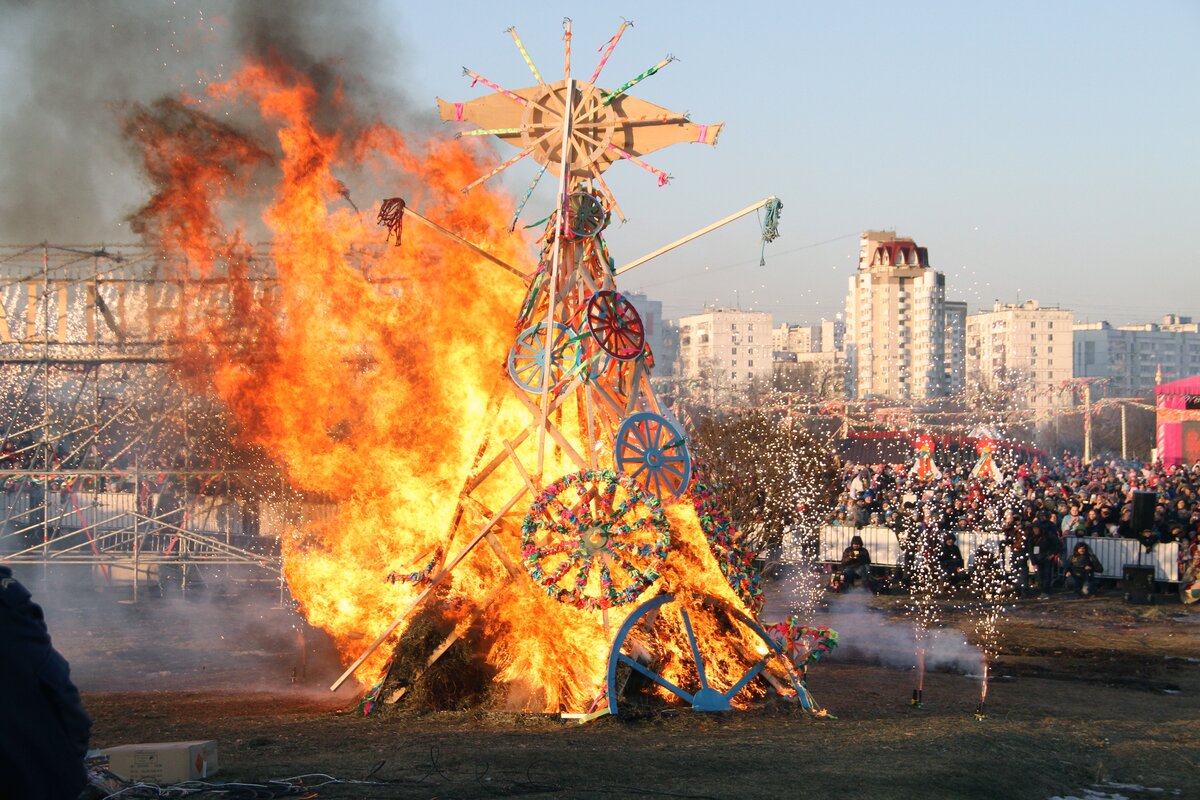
x,y
1040,150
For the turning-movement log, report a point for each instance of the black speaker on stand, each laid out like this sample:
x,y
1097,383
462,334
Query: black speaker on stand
x,y
1142,518
1137,580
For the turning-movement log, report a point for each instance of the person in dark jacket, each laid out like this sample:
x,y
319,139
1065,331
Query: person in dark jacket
x,y
1045,553
44,730
1082,569
950,560
856,564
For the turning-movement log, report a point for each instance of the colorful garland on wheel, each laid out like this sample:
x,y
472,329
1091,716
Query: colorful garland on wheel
x,y
588,543
724,539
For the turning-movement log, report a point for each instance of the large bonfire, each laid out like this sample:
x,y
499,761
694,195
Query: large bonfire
x,y
375,375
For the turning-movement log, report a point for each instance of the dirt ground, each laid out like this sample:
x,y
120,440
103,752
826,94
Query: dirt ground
x,y
1085,692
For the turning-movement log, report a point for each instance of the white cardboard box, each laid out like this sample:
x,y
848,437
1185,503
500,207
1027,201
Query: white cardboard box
x,y
163,762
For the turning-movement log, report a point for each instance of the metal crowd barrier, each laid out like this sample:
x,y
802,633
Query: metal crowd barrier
x,y
1114,554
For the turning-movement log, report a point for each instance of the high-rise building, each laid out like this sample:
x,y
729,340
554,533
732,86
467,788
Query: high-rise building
x,y
1022,350
787,338
665,347
810,359
895,322
956,347
726,353
1130,356
833,336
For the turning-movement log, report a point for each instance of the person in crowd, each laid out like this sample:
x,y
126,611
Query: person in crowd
x,y
950,561
1125,524
44,729
1149,538
1046,551
855,565
1069,515
1094,525
1082,569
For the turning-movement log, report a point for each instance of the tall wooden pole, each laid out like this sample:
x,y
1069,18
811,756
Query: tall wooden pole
x,y
560,231
1087,423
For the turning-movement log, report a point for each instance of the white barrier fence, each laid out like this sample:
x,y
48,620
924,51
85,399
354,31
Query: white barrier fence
x,y
1114,554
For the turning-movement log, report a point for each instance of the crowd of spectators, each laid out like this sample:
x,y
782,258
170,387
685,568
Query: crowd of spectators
x,y
1035,506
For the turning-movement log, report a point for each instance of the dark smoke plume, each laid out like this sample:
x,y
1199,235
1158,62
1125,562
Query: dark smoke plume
x,y
72,70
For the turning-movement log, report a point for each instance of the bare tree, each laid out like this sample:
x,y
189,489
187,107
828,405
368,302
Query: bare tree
x,y
770,476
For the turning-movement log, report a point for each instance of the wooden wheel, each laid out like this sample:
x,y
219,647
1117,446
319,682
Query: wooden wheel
x,y
650,450
616,325
595,539
527,359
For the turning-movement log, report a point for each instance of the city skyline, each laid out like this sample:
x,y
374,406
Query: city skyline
x,y
1037,151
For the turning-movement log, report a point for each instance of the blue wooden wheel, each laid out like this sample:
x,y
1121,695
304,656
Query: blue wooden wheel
x,y
586,215
704,697
653,452
527,358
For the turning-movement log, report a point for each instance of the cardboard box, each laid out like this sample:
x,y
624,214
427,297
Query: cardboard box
x,y
163,762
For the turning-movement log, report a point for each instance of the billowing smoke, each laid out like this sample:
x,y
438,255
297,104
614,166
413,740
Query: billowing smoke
x,y
71,70
869,635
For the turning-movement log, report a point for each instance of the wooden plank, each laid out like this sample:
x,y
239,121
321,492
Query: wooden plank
x,y
553,431
421,598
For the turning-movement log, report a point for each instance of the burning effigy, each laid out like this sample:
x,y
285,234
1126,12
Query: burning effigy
x,y
504,471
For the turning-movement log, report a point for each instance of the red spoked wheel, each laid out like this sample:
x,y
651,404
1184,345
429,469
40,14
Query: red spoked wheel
x,y
616,325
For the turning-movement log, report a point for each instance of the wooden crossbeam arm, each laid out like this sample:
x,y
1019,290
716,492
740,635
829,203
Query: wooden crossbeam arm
x,y
697,234
409,212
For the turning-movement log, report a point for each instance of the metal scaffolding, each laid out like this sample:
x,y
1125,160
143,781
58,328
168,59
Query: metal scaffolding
x,y
108,457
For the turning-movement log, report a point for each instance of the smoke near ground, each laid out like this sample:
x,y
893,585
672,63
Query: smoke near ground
x,y
71,70
216,636
869,635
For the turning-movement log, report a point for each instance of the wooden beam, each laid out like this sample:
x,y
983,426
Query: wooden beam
x,y
428,589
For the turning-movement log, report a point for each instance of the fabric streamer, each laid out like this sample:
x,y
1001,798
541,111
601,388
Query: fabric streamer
x,y
528,192
567,48
770,224
391,216
611,44
491,132
663,177
803,645
477,78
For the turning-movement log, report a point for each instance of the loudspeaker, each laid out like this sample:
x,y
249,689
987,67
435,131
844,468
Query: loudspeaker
x,y
1143,511
1138,583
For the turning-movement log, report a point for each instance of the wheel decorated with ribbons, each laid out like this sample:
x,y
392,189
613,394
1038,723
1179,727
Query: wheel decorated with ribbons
x,y
585,215
527,359
616,325
595,539
655,639
652,451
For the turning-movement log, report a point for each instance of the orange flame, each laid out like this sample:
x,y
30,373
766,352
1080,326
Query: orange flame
x,y
373,373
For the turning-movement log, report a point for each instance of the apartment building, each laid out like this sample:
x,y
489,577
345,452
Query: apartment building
x,y
895,322
1022,348
726,353
956,347
1130,356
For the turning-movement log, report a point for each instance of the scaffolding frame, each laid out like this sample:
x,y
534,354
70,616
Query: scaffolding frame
x,y
100,463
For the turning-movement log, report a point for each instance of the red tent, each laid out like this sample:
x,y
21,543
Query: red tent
x,y
1178,428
